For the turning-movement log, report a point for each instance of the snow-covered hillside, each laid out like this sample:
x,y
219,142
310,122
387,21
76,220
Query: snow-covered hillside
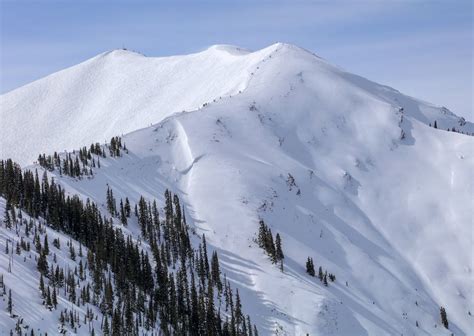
x,y
114,93
121,91
347,171
21,280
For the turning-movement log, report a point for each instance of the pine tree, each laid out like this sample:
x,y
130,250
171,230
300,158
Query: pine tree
x,y
206,260
41,285
109,297
210,317
105,327
129,315
238,310
45,245
249,326
262,234
127,207
7,220
42,264
278,251
123,217
116,324
332,277
72,251
49,303
54,298
215,272
320,273
77,167
444,317
10,303
435,124
270,246
310,267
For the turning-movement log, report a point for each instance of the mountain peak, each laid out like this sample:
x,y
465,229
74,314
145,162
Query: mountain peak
x,y
121,52
277,46
136,91
343,169
231,49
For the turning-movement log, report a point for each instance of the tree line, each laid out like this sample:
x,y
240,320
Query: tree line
x,y
184,293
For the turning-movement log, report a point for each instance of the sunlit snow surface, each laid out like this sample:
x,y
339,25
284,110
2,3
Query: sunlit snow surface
x,y
381,199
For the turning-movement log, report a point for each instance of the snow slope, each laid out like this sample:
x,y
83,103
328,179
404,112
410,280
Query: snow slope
x,y
379,198
113,93
21,277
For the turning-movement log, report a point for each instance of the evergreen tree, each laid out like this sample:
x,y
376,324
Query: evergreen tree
x,y
238,310
262,234
10,303
278,250
127,207
54,298
444,317
6,218
42,264
41,285
249,326
206,260
105,326
270,246
116,324
210,314
320,273
72,251
49,303
123,217
310,267
215,272
45,245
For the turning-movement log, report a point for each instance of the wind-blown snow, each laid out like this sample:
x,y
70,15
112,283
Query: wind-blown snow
x,y
380,199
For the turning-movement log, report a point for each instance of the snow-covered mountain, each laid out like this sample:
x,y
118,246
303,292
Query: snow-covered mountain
x,y
347,171
115,93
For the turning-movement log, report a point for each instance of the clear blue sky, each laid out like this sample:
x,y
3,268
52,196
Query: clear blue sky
x,y
422,48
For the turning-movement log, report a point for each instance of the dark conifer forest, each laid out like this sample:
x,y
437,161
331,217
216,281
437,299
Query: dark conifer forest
x,y
177,289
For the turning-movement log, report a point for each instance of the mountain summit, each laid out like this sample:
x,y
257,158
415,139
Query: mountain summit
x,y
121,91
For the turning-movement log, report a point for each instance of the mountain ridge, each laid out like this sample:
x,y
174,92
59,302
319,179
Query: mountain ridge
x,y
136,91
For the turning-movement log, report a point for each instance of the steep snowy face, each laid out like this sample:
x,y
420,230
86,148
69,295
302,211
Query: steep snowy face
x,y
115,93
347,171
350,175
